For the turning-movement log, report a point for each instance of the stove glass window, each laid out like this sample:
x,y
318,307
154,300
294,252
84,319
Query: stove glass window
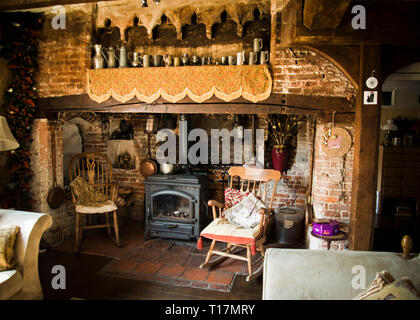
x,y
171,206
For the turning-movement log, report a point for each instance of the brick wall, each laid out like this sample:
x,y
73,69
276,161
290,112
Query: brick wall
x,y
293,187
65,54
328,182
301,71
42,181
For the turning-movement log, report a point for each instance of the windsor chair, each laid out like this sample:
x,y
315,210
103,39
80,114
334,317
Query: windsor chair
x,y
255,181
96,169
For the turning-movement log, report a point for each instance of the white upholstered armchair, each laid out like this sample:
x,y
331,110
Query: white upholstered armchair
x,y
22,283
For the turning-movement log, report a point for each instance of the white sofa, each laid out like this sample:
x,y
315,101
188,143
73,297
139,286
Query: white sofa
x,y
301,274
23,282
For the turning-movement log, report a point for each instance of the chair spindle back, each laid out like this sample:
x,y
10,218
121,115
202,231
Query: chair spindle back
x,y
256,181
95,168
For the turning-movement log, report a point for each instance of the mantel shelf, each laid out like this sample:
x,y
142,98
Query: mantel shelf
x,y
200,83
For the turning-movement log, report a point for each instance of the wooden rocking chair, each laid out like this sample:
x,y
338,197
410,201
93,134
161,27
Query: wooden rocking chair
x,y
96,169
256,181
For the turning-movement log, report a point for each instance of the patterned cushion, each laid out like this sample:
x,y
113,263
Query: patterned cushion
x,y
7,242
384,287
86,194
109,206
233,197
246,213
222,229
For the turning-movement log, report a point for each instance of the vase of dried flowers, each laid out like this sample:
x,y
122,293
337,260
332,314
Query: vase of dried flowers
x,y
283,128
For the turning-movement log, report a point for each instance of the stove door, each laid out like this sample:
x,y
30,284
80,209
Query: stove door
x,y
172,205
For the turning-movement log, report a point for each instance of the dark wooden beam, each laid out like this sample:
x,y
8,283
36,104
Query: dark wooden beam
x,y
276,103
9,5
387,22
324,14
366,143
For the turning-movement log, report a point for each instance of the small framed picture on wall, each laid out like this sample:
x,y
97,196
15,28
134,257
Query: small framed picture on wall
x,y
370,97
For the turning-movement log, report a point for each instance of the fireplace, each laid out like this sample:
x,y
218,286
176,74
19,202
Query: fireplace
x,y
176,205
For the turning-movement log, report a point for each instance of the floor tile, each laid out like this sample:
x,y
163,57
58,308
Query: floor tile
x,y
171,271
195,274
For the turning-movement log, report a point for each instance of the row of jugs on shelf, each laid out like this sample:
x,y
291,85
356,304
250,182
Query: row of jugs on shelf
x,y
110,57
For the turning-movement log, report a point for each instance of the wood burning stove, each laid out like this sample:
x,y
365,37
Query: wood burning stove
x,y
176,205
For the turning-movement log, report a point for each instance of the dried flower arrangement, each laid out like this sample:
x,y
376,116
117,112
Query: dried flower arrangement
x,y
283,127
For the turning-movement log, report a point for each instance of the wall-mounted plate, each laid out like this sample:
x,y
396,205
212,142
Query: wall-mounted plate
x,y
372,82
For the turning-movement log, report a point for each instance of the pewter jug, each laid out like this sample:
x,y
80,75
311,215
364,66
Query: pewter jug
x,y
231,60
185,59
157,60
146,61
98,59
111,61
253,58
257,44
169,61
263,57
135,62
123,57
240,58
195,60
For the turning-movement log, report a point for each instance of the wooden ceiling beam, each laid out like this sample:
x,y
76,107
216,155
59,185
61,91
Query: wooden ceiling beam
x,y
387,22
12,5
276,103
324,14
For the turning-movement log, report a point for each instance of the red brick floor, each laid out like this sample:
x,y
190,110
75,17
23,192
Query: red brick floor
x,y
167,261
176,263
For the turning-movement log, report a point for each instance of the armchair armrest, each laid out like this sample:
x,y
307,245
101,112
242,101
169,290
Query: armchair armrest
x,y
215,204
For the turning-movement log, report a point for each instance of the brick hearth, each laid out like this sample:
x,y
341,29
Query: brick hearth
x,y
158,260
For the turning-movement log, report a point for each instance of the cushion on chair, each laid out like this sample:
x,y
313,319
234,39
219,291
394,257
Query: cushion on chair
x,y
87,195
221,229
7,242
245,213
233,197
108,206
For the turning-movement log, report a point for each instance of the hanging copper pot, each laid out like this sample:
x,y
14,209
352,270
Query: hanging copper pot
x,y
148,167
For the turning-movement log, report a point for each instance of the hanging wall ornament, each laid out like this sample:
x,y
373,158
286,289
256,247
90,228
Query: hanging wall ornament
x,y
336,142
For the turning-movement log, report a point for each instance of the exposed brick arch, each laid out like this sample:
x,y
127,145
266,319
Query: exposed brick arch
x,y
304,71
89,117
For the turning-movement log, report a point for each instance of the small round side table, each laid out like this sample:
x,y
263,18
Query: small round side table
x,y
338,237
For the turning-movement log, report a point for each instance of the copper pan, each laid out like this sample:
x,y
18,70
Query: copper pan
x,y
148,167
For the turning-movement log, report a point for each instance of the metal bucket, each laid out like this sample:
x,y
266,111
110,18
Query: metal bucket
x,y
289,225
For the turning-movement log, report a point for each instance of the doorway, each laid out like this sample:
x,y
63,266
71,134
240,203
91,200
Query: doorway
x,y
398,187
